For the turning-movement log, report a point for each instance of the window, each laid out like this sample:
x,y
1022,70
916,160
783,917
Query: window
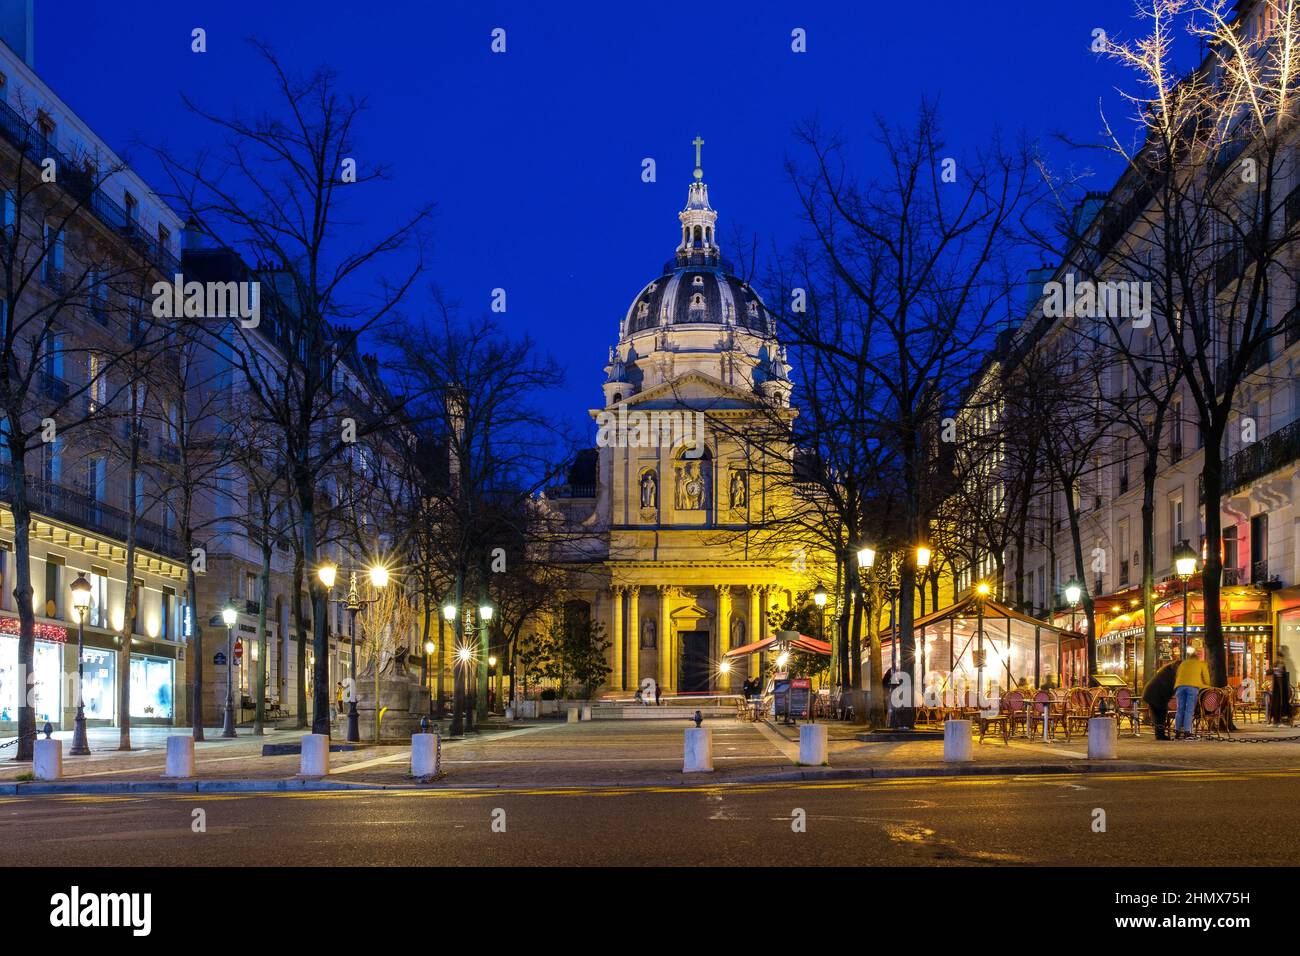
x,y
10,212
1176,431
52,461
164,237
1122,534
97,615
46,125
138,598
53,587
97,382
132,207
52,258
250,586
1175,520
167,626
98,296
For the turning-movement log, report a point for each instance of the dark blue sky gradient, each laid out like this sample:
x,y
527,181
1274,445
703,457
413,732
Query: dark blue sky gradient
x,y
534,157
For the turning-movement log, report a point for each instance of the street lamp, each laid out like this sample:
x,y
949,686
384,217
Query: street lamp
x,y
866,556
481,669
327,572
922,557
1073,592
458,678
982,590
379,580
80,589
429,648
1185,566
230,616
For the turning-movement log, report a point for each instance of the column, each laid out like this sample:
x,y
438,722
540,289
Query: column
x,y
754,631
724,681
616,635
666,660
633,637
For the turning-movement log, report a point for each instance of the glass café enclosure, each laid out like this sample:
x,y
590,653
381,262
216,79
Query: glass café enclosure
x,y
1016,650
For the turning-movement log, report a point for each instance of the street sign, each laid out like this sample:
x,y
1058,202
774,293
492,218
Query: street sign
x,y
219,657
239,651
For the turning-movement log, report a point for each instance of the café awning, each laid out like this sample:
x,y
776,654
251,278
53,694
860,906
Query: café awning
x,y
800,642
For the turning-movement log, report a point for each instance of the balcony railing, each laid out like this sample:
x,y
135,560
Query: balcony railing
x,y
1269,454
59,501
1258,572
81,185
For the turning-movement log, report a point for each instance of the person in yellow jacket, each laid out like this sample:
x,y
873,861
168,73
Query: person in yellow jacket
x,y
1192,676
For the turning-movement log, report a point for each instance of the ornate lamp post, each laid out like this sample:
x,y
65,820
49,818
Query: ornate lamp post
x,y
80,589
1185,566
480,671
429,648
449,611
981,593
230,616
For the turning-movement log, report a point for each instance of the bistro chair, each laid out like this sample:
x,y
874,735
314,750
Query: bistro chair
x,y
1124,710
1013,705
998,722
1214,708
1171,716
1080,708
1248,707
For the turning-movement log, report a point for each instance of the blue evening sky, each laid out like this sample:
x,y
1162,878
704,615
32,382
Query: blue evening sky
x,y
534,157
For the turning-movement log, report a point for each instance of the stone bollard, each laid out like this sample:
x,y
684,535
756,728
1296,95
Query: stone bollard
x,y
572,715
956,741
1103,736
510,713
315,755
426,755
48,762
812,745
180,756
586,712
698,755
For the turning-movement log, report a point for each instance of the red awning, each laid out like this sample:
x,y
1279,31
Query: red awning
x,y
801,642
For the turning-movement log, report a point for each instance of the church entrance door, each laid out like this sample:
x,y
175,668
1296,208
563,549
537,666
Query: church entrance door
x,y
694,674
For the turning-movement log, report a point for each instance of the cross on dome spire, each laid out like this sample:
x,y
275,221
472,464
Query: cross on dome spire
x,y
698,218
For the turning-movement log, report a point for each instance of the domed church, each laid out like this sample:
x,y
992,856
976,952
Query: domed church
x,y
670,515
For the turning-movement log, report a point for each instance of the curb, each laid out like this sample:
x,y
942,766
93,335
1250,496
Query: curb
x,y
948,770
27,788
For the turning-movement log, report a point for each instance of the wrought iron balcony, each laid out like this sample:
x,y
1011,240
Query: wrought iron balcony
x,y
79,183
64,503
1271,453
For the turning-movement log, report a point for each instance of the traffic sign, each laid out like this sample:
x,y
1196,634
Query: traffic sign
x,y
239,651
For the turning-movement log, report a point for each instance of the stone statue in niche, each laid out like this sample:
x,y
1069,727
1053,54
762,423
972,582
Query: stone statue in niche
x,y
648,633
692,490
649,490
739,489
737,632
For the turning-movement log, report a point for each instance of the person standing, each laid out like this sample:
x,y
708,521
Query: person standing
x,y
1279,701
1193,676
1156,694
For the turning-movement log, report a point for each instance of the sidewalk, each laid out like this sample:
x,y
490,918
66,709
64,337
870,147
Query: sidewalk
x,y
617,753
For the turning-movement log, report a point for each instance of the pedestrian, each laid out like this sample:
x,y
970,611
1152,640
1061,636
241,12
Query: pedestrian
x,y
1192,677
338,698
1159,689
1279,701
657,703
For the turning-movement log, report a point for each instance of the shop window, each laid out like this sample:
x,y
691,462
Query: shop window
x,y
167,628
98,687
151,687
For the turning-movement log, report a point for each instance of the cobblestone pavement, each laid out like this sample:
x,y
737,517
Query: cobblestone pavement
x,y
617,752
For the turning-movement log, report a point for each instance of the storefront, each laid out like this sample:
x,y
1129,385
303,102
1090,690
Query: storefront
x,y
99,689
48,673
981,640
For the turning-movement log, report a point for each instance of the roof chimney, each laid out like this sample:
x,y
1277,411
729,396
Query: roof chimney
x,y
16,20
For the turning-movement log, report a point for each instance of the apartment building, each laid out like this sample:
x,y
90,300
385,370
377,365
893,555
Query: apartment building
x,y
92,233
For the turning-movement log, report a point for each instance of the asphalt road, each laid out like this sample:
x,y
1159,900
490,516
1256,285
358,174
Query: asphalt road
x,y
1173,818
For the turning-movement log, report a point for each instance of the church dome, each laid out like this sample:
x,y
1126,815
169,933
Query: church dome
x,y
693,291
697,286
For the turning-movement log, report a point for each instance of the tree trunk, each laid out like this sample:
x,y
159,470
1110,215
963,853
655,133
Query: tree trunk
x,y
1149,468
259,707
23,599
132,608
1212,572
320,721
300,657
196,645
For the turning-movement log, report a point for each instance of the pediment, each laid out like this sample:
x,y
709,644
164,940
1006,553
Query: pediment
x,y
696,390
